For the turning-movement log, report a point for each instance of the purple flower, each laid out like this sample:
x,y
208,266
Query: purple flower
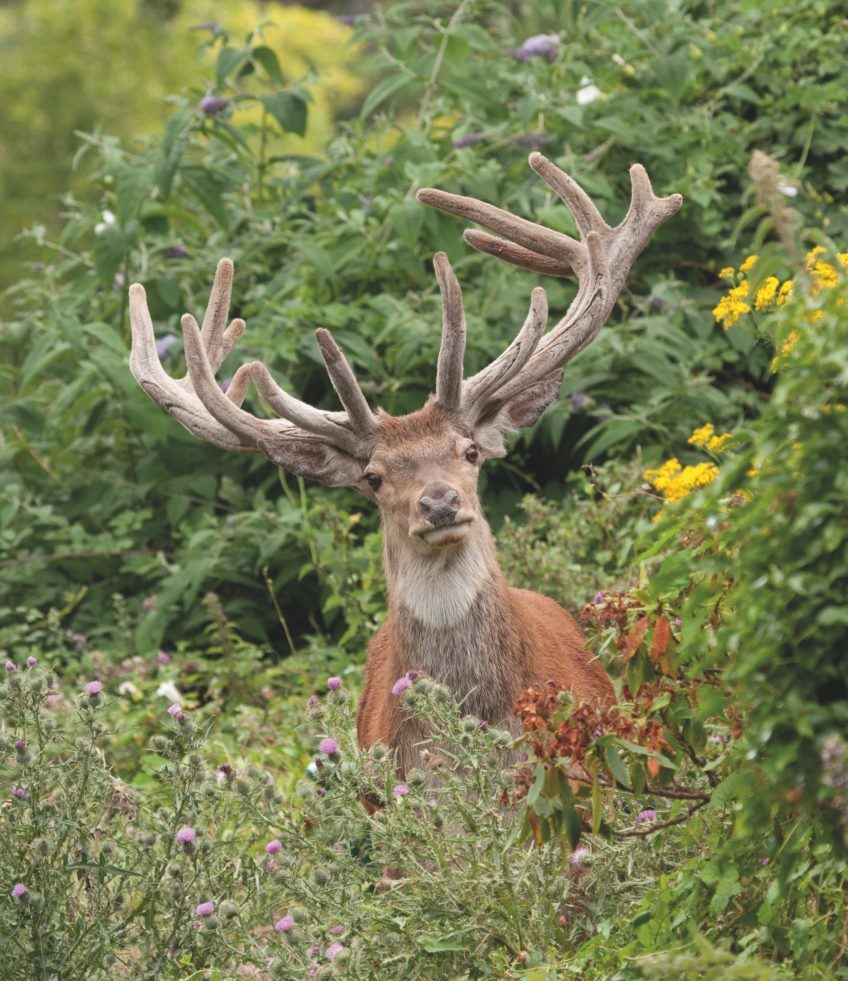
x,y
175,709
213,104
11,666
273,847
164,345
401,685
578,857
313,970
337,931
20,746
538,46
765,861
468,140
647,815
186,835
578,399
80,640
533,141
400,790
334,683
204,909
19,792
599,598
328,747
32,661
163,657
333,950
93,688
677,621
176,252
19,890
284,924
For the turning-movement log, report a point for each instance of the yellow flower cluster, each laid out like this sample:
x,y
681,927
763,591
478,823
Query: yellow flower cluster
x,y
825,273
786,348
707,439
675,482
741,300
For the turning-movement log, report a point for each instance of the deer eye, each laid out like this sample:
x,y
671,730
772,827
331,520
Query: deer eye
x,y
373,480
472,454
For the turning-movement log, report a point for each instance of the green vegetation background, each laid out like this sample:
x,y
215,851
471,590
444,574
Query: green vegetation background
x,y
123,536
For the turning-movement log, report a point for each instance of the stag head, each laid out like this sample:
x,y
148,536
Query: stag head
x,y
421,469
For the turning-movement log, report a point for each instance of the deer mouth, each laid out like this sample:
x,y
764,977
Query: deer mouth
x,y
444,533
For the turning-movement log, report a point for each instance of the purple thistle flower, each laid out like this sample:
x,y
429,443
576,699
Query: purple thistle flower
x,y
328,747
470,139
578,399
11,666
334,683
333,950
284,924
315,949
93,688
19,890
401,685
647,815
313,970
273,847
176,252
765,861
19,792
175,709
186,835
20,746
400,790
337,931
213,104
538,46
204,909
163,657
164,345
578,857
32,661
598,598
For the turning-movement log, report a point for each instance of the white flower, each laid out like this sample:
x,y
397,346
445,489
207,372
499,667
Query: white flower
x,y
170,691
101,226
587,92
789,190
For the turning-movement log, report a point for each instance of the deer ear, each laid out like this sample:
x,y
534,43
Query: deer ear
x,y
308,456
524,408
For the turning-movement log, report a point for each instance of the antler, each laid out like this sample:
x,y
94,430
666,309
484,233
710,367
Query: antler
x,y
601,261
198,403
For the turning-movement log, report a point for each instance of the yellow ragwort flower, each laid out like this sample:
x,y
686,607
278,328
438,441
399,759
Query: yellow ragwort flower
x,y
726,273
718,443
733,306
766,293
675,483
748,264
701,436
785,292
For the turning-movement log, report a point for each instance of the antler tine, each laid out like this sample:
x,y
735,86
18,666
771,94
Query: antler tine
x,y
452,350
517,255
175,397
582,207
519,230
600,261
344,381
507,365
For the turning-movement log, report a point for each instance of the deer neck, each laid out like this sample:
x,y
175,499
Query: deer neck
x,y
455,622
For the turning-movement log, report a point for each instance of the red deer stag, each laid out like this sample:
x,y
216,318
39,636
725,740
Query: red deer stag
x,y
451,613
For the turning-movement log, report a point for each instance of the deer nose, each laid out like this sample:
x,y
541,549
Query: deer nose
x,y
438,505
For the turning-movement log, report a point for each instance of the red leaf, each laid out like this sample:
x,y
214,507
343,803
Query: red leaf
x,y
662,636
653,766
634,638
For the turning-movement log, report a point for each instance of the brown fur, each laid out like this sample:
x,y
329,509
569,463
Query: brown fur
x,y
451,613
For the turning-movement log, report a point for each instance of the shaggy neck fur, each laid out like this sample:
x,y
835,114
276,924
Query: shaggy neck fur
x,y
454,621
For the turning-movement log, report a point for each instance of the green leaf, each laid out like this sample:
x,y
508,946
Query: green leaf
x,y
133,186
381,91
267,58
435,945
538,783
109,251
616,765
289,109
229,59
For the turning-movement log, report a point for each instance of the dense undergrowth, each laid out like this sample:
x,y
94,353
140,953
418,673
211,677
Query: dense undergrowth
x,y
686,496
